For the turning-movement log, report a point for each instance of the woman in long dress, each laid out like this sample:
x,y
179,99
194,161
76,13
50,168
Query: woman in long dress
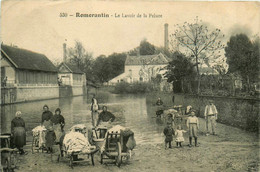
x,y
58,122
18,132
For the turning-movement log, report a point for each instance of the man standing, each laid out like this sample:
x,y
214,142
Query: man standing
x,y
94,110
193,126
211,115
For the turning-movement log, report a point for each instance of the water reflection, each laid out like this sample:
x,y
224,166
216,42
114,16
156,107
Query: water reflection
x,y
130,111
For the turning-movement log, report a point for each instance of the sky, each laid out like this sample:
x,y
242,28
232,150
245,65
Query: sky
x,y
37,25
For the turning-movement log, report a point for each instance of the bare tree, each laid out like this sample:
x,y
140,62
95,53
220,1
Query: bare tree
x,y
202,44
77,55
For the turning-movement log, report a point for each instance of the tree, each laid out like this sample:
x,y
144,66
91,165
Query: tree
x,y
106,68
101,69
243,57
197,39
81,58
117,64
179,69
145,48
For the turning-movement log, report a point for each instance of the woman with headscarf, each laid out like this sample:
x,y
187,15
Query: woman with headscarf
x,y
58,122
46,115
18,132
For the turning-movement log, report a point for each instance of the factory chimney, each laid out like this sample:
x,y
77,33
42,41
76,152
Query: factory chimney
x,y
166,41
64,52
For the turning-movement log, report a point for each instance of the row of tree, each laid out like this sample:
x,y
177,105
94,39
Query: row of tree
x,y
192,44
100,69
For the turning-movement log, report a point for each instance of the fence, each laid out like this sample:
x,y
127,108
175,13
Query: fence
x,y
217,85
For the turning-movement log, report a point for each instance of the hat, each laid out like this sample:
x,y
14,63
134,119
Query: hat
x,y
58,109
45,106
18,114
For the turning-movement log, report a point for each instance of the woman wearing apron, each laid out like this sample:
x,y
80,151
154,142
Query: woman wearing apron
x,y
58,124
18,132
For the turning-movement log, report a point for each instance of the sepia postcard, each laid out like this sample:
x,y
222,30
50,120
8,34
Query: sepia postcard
x,y
156,86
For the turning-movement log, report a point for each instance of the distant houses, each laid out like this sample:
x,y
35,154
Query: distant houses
x,y
141,68
71,75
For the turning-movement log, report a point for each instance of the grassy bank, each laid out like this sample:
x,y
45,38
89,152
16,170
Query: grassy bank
x,y
133,88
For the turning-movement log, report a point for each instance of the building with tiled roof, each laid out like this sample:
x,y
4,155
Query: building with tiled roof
x,y
70,74
142,68
20,67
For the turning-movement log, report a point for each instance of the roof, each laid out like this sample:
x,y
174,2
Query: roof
x,y
25,59
157,59
71,68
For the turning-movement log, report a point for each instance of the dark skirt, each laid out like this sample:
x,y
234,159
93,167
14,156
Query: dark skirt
x,y
19,138
50,138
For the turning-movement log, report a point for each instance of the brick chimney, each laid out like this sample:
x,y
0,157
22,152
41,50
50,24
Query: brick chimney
x,y
166,41
64,52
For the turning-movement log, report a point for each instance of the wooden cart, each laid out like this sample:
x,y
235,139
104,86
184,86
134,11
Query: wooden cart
x,y
114,148
99,136
73,157
8,155
36,147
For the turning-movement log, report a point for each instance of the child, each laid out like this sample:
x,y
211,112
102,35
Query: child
x,y
179,136
169,118
50,139
193,126
168,132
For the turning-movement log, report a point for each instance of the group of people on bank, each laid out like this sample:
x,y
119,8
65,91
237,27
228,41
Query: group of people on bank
x,y
192,123
54,125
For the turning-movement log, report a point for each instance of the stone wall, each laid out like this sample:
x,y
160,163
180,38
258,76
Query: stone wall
x,y
238,112
24,94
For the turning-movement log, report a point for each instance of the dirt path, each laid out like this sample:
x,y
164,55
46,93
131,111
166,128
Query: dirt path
x,y
231,150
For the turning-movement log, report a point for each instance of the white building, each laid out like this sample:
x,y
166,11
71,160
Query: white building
x,y
141,68
71,75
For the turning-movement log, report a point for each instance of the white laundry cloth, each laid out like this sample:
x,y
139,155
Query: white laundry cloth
x,y
76,142
40,132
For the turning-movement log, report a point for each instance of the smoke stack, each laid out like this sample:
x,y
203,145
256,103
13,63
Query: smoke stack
x,y
64,52
166,41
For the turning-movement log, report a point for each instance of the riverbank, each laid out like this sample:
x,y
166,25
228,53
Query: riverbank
x,y
231,150
237,112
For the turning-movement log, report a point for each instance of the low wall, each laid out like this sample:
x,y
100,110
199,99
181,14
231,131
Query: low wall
x,y
24,94
238,112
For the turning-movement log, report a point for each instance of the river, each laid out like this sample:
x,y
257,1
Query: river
x,y
130,111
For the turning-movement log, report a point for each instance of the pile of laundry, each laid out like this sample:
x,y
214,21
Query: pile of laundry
x,y
129,142
40,132
77,142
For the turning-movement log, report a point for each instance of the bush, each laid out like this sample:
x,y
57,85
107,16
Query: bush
x,y
133,88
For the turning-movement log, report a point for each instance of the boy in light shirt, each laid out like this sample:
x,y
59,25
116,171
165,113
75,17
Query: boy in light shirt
x,y
193,126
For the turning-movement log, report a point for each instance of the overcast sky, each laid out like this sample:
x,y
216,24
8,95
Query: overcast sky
x,y
36,25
